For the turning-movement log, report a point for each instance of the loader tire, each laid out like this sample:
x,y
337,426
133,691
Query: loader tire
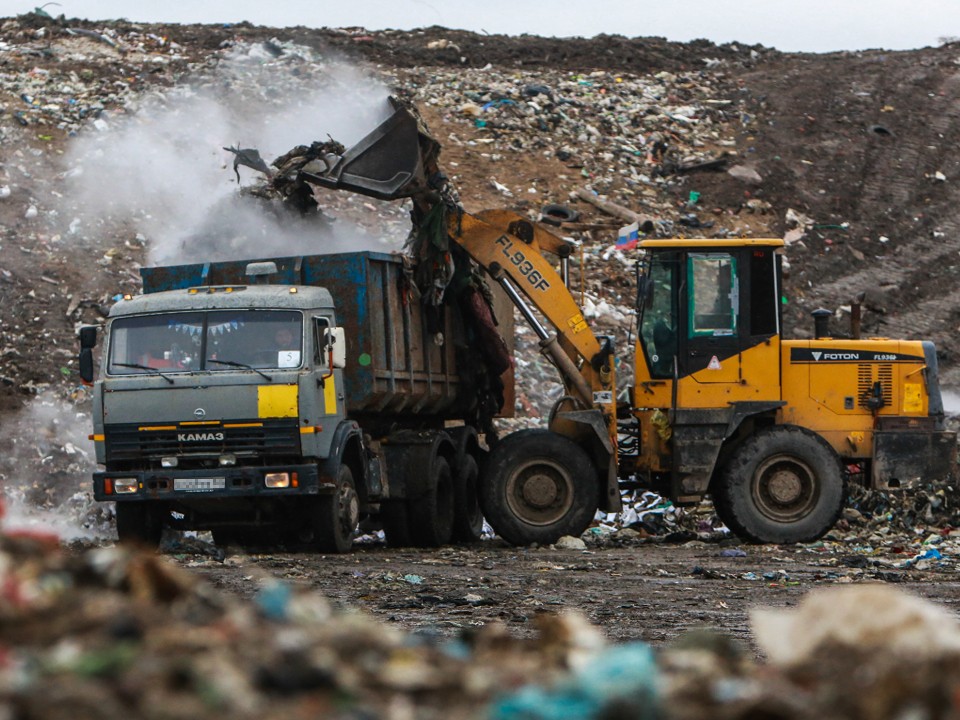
x,y
783,485
467,515
538,486
431,515
337,515
139,523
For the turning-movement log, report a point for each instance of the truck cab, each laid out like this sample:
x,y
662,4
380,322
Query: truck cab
x,y
207,408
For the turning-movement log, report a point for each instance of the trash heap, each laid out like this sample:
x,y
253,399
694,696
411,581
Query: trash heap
x,y
115,632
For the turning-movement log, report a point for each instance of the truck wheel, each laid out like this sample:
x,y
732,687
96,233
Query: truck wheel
x,y
538,486
396,527
783,485
467,515
431,515
337,515
139,523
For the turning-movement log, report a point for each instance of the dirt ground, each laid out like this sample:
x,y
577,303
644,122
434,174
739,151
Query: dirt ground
x,y
650,592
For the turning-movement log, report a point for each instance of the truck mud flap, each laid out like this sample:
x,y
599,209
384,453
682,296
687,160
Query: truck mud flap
x,y
903,458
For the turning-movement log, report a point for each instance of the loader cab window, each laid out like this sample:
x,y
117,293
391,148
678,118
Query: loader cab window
x,y
658,318
764,293
714,296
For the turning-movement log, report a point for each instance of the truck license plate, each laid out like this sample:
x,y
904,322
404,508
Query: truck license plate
x,y
199,484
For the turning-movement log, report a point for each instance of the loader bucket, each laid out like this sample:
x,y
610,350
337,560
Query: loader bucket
x,y
391,162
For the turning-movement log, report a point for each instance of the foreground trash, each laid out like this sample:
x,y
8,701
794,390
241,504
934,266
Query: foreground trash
x,y
114,632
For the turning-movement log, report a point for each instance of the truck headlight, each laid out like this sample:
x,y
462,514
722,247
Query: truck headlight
x,y
169,462
228,460
125,486
277,480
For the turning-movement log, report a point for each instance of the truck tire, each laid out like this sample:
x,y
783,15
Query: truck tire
x,y
431,515
538,486
783,485
396,526
467,515
139,523
337,515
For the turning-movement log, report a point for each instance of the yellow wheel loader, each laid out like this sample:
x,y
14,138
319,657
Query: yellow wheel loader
x,y
721,405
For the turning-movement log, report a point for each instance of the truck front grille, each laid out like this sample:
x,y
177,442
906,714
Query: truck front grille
x,y
243,438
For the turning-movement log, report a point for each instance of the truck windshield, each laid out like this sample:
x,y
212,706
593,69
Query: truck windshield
x,y
218,341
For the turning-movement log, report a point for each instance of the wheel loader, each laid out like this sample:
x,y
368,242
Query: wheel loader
x,y
721,404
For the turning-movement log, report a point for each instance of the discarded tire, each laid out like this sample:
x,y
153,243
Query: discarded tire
x,y
784,485
556,214
538,486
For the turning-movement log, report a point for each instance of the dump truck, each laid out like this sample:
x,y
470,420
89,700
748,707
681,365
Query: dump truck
x,y
720,406
281,401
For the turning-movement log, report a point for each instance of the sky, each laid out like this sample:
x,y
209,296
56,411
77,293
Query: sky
x,y
790,25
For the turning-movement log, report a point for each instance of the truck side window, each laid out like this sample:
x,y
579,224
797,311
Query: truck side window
x,y
713,295
658,323
321,355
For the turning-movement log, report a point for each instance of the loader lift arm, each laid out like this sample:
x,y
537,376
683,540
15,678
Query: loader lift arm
x,y
398,159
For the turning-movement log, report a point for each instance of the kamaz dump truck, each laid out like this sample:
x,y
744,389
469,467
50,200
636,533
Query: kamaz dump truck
x,y
280,401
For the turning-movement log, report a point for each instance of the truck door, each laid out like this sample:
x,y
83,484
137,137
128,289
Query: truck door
x,y
710,345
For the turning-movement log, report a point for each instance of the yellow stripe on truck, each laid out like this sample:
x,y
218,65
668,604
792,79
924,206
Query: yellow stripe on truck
x,y
277,401
330,396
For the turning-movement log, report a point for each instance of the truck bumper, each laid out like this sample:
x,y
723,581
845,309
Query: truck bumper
x,y
903,458
190,485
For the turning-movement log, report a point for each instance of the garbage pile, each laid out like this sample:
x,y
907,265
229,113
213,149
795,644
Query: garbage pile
x,y
114,632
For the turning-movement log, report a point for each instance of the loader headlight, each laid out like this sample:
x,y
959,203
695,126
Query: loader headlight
x,y
125,486
277,480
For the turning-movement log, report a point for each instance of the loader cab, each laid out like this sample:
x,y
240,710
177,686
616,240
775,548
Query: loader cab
x,y
709,320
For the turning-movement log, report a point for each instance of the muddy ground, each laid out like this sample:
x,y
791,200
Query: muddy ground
x,y
853,140
650,592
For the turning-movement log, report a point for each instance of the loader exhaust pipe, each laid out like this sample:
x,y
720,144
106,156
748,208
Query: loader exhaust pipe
x,y
821,323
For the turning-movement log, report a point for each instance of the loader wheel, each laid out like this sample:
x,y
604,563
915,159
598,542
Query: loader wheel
x,y
337,515
784,485
139,523
431,515
467,515
538,486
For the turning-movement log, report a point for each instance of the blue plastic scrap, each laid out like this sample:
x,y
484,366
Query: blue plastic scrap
x,y
273,600
625,675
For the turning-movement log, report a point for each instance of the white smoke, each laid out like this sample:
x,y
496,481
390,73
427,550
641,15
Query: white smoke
x,y
45,471
163,167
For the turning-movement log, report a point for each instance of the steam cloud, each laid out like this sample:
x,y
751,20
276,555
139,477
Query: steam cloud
x,y
45,473
164,169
